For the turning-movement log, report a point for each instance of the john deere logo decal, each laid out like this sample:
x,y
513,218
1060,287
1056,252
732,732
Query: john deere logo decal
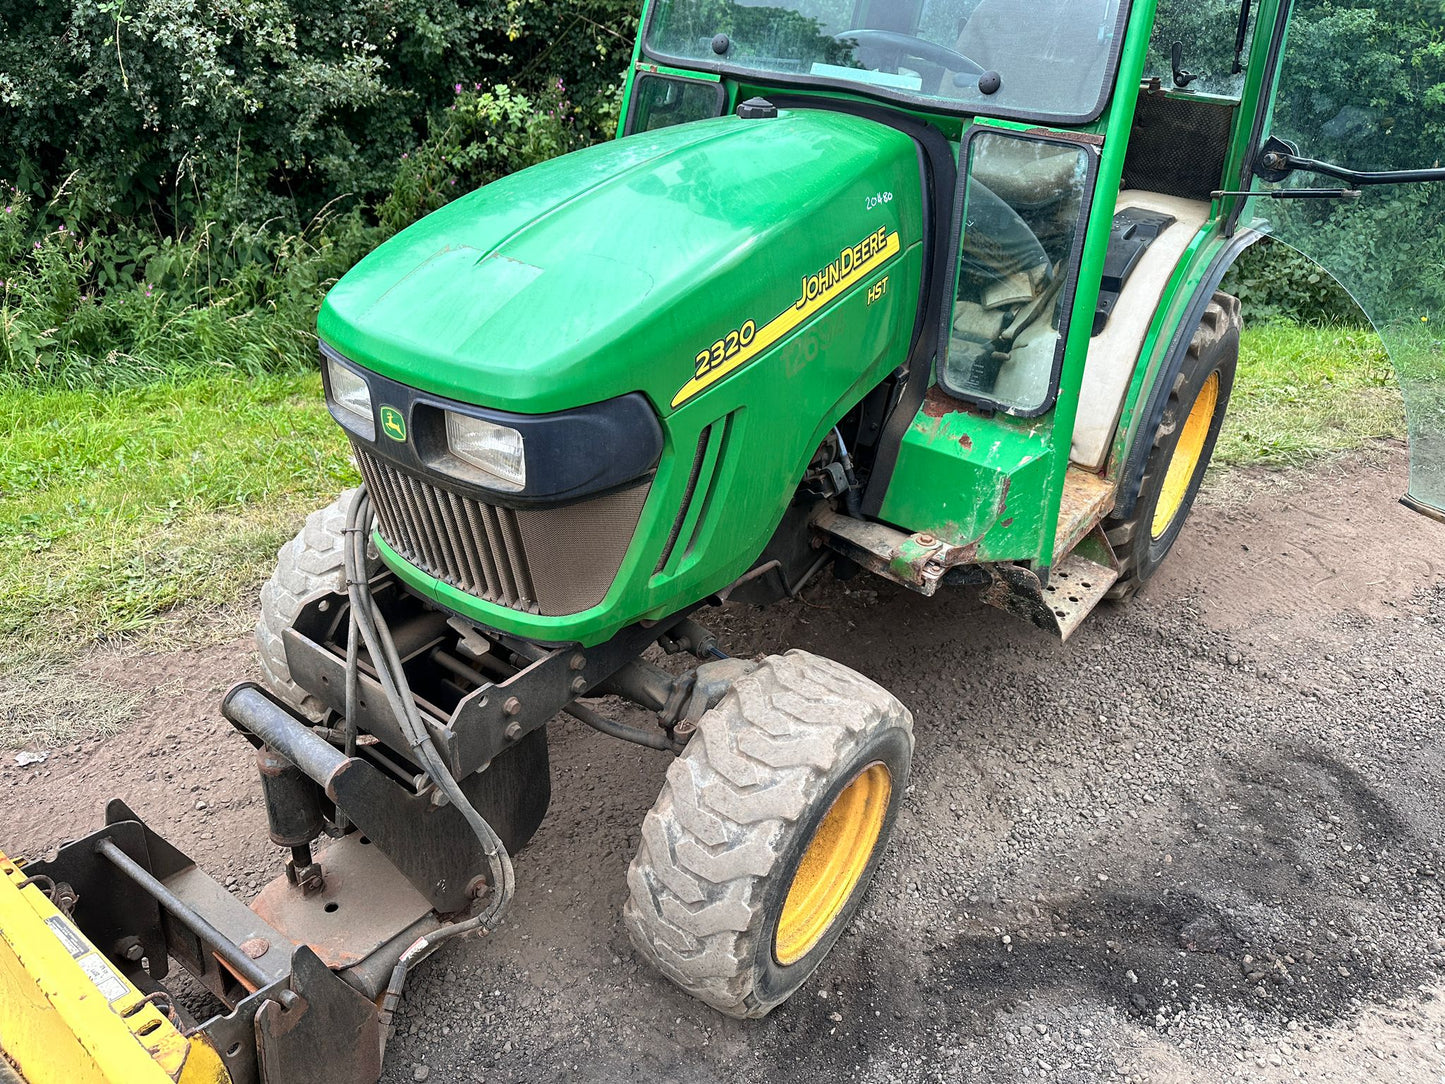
x,y
815,292
392,423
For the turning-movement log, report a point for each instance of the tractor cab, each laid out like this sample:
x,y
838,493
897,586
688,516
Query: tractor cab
x,y
1035,100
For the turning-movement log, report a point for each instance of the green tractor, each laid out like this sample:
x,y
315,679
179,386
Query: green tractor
x,y
928,289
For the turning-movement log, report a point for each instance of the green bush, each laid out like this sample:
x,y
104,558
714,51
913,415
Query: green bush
x,y
1279,283
125,306
167,111
185,178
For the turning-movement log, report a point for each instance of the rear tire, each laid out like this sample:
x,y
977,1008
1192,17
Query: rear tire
x,y
1182,447
802,758
312,561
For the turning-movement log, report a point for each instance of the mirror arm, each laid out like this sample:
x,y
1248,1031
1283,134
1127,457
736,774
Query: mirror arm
x,y
1278,159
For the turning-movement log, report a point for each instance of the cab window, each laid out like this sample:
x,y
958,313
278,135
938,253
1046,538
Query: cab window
x,y
1024,204
1212,47
660,101
1048,59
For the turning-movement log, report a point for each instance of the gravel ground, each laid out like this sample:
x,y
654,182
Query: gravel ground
x,y
1201,842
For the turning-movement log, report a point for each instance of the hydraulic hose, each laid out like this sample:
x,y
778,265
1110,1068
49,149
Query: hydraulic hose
x,y
374,631
851,500
348,722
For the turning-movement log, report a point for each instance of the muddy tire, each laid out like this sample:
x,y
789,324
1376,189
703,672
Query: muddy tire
x,y
801,759
310,562
1182,446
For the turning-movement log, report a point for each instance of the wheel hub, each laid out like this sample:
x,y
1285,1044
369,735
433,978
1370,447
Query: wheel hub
x,y
834,863
1187,454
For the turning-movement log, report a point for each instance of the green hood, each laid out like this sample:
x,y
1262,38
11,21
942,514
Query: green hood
x,y
617,268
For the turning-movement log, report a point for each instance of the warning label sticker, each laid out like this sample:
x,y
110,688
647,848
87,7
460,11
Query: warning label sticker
x,y
109,984
68,936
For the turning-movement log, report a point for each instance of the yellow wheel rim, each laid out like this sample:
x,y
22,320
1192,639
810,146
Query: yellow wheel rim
x,y
833,864
1184,464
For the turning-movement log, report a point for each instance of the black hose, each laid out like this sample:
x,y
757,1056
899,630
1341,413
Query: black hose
x,y
614,729
382,648
387,661
851,500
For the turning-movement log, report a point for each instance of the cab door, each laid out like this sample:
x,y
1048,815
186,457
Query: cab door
x,y
1346,168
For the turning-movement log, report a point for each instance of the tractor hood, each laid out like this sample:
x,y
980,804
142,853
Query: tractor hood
x,y
619,268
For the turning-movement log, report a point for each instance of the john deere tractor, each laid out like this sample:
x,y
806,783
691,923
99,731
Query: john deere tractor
x,y
927,289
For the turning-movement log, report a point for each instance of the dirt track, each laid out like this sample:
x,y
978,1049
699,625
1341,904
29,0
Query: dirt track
x,y
1199,843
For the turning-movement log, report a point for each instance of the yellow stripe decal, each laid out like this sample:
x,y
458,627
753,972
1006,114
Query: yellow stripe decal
x,y
740,346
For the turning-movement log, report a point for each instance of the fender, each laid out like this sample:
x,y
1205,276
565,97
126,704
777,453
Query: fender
x,y
1131,468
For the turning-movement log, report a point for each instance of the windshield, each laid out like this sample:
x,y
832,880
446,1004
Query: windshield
x,y
1033,58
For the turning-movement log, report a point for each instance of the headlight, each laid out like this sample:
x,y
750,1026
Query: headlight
x,y
350,393
489,447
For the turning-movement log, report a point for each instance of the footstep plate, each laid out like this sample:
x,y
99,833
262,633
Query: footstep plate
x,y
1076,585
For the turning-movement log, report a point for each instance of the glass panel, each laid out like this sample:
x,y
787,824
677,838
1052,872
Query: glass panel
x,y
1208,30
1051,55
1023,210
660,102
1361,87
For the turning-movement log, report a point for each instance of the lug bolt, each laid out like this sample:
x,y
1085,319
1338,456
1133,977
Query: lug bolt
x,y
129,948
513,731
513,706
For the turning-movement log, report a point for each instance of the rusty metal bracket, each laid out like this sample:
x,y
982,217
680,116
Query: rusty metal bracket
x,y
329,1034
431,844
917,561
486,722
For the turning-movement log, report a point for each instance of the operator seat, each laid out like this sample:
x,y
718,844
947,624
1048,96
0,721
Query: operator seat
x,y
1059,49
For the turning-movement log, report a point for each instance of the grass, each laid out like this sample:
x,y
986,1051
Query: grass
x,y
120,507
127,510
1304,393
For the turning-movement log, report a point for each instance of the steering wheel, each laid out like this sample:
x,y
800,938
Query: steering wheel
x,y
908,45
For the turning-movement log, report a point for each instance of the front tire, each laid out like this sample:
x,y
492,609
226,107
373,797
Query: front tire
x,y
312,561
760,847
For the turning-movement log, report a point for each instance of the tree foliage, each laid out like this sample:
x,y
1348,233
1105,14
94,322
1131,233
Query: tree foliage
x,y
165,109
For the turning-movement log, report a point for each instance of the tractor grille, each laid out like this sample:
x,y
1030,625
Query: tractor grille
x,y
550,561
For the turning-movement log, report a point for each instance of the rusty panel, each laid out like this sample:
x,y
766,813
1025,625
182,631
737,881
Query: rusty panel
x,y
366,902
1087,499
